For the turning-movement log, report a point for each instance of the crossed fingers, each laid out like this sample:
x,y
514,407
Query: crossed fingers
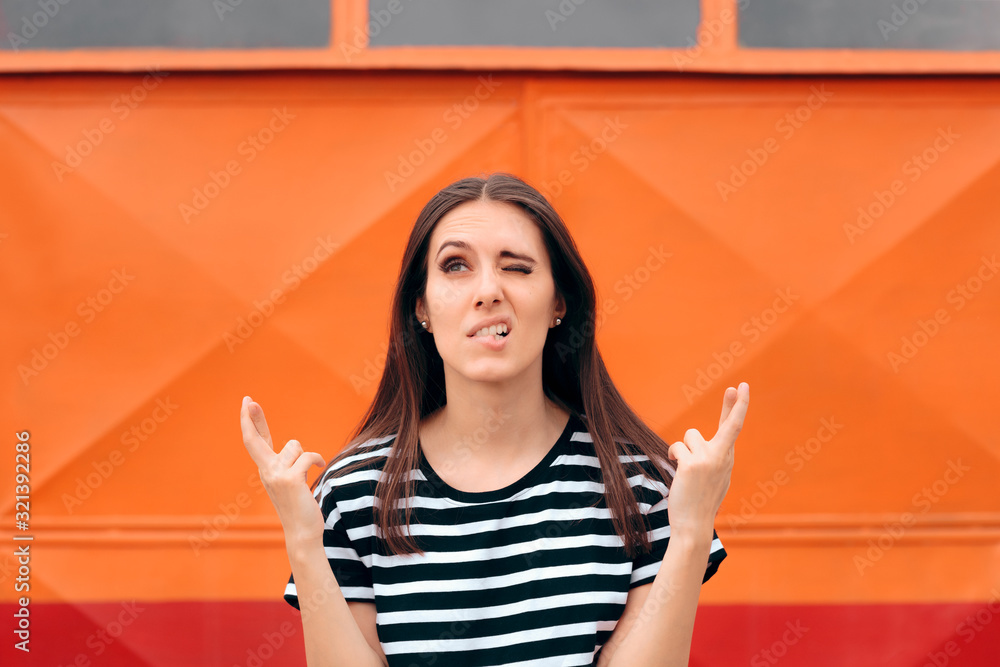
x,y
257,439
734,410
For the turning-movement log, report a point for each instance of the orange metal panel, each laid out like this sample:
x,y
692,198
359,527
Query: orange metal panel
x,y
172,244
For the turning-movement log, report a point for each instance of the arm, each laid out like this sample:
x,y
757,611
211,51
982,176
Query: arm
x,y
332,634
330,626
658,622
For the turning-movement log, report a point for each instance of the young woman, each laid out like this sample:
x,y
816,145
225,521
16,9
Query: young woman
x,y
530,523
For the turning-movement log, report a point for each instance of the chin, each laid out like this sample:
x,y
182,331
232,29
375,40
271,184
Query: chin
x,y
490,371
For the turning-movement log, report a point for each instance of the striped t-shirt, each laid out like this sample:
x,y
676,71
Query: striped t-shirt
x,y
532,574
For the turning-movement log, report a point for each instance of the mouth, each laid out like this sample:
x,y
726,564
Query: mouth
x,y
496,332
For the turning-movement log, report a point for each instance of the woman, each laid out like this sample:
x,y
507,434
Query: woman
x,y
531,524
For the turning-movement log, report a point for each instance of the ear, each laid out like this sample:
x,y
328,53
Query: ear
x,y
421,311
560,306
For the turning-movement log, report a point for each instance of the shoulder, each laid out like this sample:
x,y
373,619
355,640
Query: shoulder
x,y
355,469
628,452
645,475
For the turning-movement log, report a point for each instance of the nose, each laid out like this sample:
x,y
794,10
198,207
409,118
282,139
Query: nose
x,y
488,289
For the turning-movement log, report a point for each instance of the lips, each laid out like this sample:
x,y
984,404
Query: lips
x,y
493,326
494,342
500,330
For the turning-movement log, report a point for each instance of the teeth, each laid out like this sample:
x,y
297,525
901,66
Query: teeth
x,y
495,330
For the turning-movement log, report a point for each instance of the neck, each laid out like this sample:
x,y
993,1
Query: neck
x,y
496,421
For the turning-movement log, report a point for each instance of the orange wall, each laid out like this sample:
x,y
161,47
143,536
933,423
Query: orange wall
x,y
129,268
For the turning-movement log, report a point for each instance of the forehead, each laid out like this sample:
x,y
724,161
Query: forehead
x,y
488,224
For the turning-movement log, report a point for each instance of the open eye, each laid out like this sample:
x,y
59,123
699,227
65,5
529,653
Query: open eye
x,y
453,261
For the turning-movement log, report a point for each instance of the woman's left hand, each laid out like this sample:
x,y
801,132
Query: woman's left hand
x,y
704,468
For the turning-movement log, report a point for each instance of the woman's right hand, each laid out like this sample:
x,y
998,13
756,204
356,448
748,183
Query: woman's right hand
x,y
284,476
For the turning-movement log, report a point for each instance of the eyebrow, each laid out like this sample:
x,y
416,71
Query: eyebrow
x,y
505,253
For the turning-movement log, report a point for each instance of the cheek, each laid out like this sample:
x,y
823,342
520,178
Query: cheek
x,y
441,299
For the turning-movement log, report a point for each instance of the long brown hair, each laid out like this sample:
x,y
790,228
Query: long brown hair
x,y
573,373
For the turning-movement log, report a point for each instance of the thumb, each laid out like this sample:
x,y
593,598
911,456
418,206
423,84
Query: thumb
x,y
306,461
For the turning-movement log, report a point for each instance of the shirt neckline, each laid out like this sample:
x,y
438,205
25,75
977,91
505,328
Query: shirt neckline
x,y
443,489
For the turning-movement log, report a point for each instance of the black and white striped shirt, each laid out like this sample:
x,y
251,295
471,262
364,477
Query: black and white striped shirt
x,y
532,574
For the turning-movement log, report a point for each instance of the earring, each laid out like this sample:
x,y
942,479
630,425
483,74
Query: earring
x,y
558,321
423,324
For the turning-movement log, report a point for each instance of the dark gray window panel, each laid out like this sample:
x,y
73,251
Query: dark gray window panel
x,y
943,25
182,24
579,23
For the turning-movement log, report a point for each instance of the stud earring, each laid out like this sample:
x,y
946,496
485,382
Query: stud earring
x,y
423,324
558,321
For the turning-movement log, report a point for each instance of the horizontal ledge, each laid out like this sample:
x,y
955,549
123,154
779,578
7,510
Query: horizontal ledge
x,y
770,530
947,95
98,539
902,534
861,520
743,60
154,522
957,520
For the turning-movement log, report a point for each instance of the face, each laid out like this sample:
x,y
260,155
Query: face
x,y
487,261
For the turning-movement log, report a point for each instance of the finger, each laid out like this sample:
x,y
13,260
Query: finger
x,y
260,450
733,424
678,451
257,415
306,461
290,452
693,437
728,401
